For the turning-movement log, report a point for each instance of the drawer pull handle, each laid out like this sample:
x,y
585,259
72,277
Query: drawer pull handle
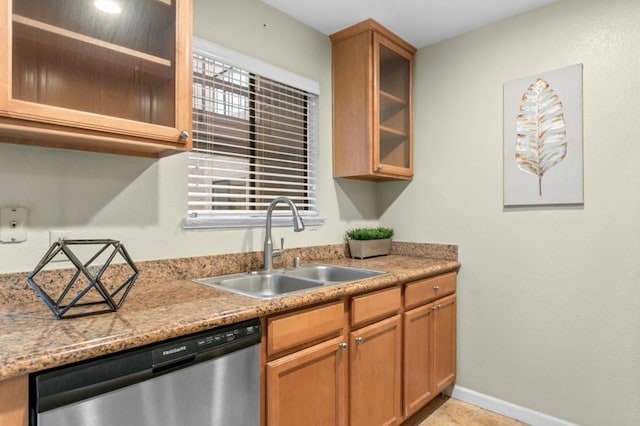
x,y
343,346
436,287
359,340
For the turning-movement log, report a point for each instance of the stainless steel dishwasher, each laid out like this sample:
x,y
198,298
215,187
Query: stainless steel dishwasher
x,y
208,378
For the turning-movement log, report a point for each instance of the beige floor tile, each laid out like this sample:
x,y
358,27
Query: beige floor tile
x,y
445,411
487,418
438,420
457,412
425,413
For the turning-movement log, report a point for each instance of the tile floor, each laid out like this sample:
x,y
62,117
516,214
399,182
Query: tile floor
x,y
447,411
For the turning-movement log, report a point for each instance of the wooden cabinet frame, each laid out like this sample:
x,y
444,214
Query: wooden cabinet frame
x,y
360,104
48,125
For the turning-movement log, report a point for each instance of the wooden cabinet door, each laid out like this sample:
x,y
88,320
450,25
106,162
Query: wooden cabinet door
x,y
308,387
375,374
444,342
418,358
14,401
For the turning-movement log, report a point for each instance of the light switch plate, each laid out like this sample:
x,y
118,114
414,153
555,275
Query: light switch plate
x,y
13,224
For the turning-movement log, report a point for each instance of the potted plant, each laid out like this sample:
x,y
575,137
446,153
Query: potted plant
x,y
369,242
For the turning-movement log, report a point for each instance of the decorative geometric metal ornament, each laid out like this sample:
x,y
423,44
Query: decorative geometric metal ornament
x,y
94,288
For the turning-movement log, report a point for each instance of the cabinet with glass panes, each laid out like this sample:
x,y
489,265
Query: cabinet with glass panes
x,y
106,75
372,103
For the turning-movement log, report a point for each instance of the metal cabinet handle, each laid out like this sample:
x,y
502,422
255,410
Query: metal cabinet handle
x,y
359,340
184,134
343,346
379,167
436,287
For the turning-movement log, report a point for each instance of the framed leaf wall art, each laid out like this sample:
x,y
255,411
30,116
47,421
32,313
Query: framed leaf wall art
x,y
543,156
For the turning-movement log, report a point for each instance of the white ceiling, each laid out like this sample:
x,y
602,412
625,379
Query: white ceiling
x,y
420,22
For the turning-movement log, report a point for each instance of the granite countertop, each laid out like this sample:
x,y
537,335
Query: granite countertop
x,y
33,340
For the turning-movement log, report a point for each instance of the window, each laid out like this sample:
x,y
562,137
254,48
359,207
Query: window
x,y
254,139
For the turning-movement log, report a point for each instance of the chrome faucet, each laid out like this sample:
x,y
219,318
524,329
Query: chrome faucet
x,y
268,244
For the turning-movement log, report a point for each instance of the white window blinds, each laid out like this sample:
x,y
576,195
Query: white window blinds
x,y
254,139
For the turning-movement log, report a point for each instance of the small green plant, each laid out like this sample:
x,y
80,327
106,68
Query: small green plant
x,y
369,233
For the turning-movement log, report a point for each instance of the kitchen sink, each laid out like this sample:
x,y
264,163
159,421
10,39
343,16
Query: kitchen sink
x,y
280,282
263,285
331,273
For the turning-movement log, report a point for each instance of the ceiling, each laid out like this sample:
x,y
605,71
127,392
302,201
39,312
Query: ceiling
x,y
420,22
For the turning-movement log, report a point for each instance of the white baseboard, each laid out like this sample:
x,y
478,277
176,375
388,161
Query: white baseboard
x,y
505,408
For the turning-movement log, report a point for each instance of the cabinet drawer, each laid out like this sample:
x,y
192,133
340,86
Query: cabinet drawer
x,y
373,306
423,291
297,328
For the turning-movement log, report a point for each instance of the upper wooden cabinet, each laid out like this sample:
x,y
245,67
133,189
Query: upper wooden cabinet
x,y
372,103
76,77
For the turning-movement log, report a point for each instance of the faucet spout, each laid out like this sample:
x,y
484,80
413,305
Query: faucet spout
x,y
298,226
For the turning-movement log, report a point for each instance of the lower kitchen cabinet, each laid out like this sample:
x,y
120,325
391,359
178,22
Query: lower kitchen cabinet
x,y
444,342
369,360
429,345
306,366
418,357
375,364
14,401
308,387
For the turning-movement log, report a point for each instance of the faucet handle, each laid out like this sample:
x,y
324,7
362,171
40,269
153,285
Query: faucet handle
x,y
279,251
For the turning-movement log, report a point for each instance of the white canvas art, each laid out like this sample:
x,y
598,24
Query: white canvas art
x,y
543,139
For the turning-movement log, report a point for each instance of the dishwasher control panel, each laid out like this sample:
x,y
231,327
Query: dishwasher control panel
x,y
189,347
221,338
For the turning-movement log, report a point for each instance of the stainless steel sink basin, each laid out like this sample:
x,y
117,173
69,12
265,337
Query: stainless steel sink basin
x,y
331,273
261,285
280,282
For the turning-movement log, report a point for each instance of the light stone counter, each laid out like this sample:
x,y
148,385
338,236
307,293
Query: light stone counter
x,y
162,308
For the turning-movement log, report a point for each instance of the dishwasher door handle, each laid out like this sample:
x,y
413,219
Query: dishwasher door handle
x,y
176,363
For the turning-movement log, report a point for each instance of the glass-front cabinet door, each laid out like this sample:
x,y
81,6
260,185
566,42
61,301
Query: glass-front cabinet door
x,y
392,150
119,68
